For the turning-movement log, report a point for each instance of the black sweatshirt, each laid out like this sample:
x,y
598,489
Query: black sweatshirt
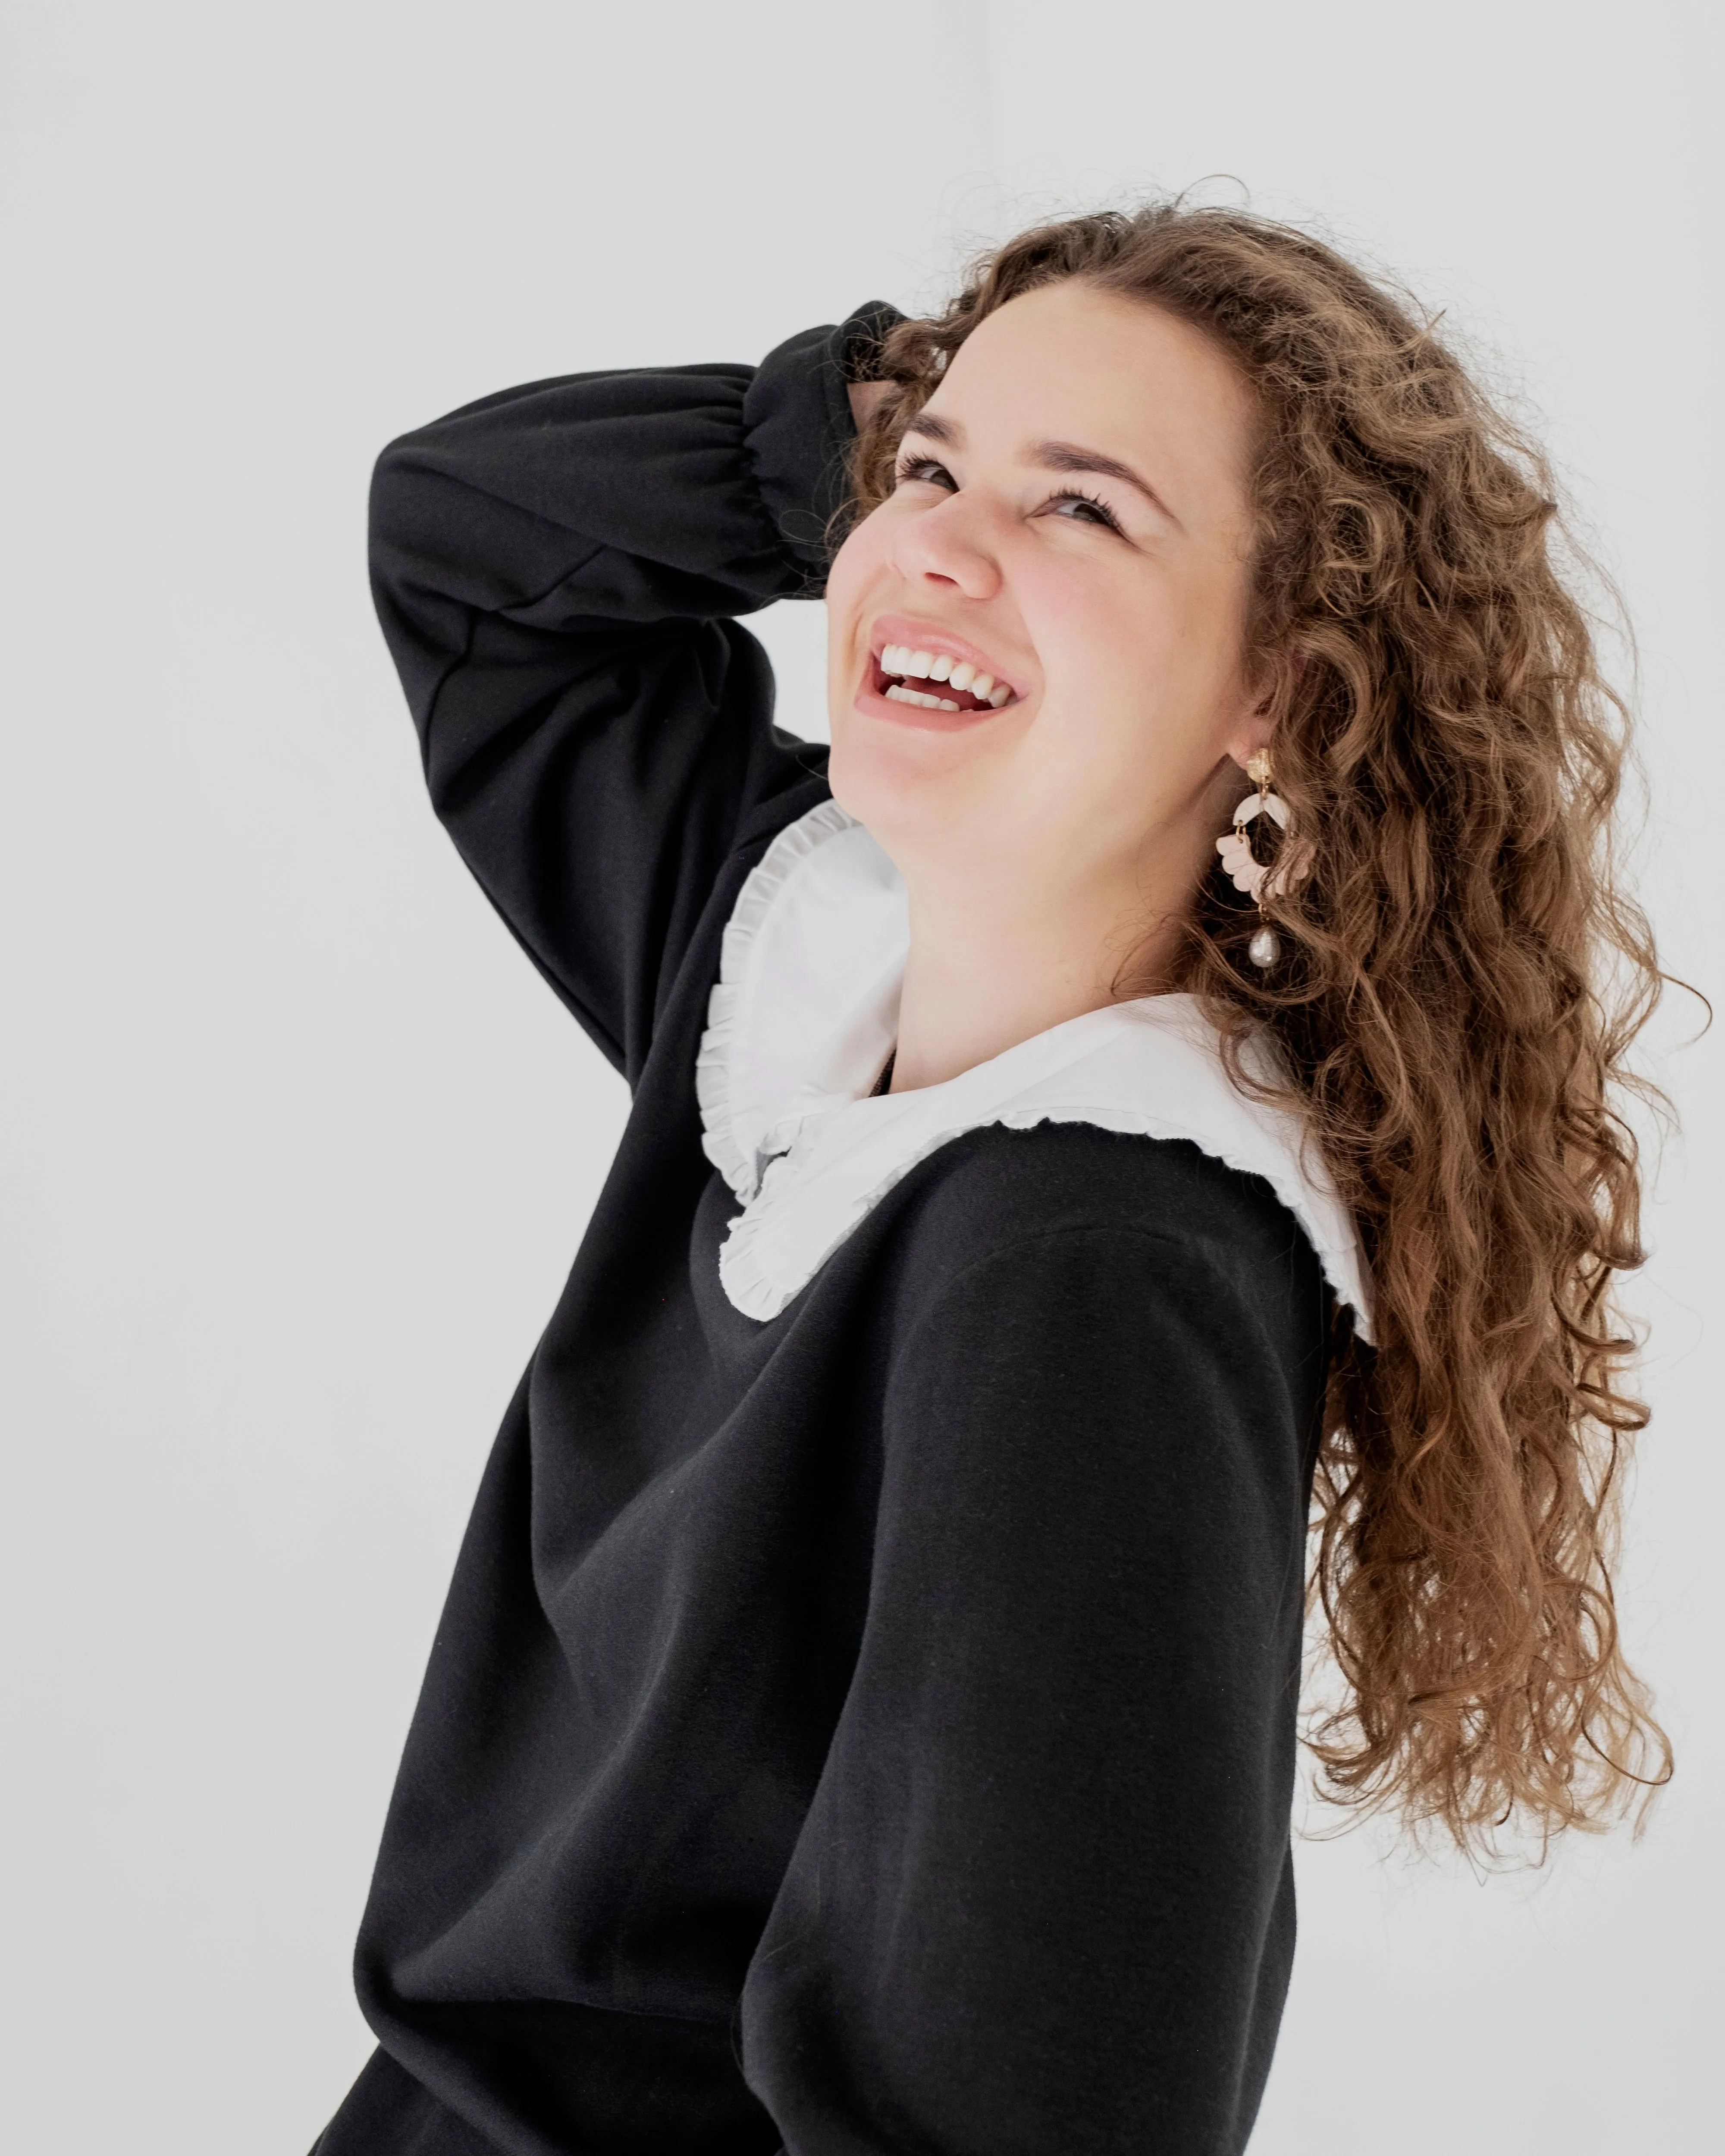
x,y
871,1730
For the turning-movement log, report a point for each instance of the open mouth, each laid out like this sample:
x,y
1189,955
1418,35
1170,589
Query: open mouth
x,y
935,681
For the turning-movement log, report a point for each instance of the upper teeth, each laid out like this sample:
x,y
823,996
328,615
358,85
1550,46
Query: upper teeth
x,y
939,666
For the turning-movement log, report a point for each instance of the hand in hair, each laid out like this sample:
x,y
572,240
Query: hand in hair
x,y
863,397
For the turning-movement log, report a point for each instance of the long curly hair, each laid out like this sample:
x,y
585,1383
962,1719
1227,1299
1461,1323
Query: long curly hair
x,y
1459,982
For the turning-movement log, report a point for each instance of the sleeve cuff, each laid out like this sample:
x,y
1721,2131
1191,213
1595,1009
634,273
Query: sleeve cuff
x,y
797,419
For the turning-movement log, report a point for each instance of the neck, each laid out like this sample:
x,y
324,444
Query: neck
x,y
988,968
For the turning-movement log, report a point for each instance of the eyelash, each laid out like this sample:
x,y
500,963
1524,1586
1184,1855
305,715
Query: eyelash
x,y
918,467
1102,508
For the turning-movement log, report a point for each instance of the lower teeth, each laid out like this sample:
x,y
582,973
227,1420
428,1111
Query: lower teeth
x,y
899,694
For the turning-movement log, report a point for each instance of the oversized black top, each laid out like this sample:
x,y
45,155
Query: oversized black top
x,y
872,1730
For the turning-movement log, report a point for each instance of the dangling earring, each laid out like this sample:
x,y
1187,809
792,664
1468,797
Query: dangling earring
x,y
1255,878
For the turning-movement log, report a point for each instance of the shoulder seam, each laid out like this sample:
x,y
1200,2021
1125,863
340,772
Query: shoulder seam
x,y
1070,1228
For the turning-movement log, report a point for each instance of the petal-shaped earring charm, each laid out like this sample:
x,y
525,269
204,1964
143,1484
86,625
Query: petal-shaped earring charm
x,y
1255,878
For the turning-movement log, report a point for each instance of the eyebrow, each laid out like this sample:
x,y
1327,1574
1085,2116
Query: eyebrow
x,y
1051,456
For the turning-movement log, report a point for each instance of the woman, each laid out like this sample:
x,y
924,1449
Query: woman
x,y
864,1718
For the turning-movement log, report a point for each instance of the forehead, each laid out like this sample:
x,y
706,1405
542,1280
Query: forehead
x,y
1074,363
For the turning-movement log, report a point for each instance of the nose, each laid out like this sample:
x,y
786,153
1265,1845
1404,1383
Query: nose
x,y
951,545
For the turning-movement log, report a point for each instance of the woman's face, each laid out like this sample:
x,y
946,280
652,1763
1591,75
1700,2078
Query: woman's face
x,y
1070,533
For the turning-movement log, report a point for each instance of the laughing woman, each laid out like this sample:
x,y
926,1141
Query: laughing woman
x,y
1155,1074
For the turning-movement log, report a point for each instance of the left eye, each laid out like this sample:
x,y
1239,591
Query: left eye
x,y
1084,509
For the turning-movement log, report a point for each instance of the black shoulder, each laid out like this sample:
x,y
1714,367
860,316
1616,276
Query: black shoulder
x,y
998,1189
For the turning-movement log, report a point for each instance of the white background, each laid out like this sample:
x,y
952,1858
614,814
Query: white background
x,y
297,1148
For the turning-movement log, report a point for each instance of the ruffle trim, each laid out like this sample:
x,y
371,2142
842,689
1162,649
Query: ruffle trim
x,y
762,1292
721,1140
777,1194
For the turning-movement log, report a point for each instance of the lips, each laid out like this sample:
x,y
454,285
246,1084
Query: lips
x,y
936,682
919,667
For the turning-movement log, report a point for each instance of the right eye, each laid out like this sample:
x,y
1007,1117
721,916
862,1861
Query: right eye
x,y
927,470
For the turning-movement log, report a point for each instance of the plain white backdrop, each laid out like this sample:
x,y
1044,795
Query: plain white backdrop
x,y
297,1148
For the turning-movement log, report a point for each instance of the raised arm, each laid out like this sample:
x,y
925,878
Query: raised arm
x,y
556,569
1044,1899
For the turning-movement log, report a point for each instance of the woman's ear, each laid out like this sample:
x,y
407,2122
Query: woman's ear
x,y
1276,677
1253,734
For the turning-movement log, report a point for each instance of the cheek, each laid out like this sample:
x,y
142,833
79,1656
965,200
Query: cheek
x,y
855,573
856,569
1137,650
1140,675
1101,640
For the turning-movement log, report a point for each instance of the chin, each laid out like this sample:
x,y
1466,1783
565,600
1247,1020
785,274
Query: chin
x,y
868,787
914,804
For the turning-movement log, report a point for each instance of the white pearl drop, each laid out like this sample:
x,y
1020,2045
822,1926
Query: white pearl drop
x,y
1264,947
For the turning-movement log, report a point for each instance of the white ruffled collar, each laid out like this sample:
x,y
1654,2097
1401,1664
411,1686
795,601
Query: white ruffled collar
x,y
805,1014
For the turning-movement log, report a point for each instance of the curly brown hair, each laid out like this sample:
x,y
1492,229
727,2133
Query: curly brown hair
x,y
1460,982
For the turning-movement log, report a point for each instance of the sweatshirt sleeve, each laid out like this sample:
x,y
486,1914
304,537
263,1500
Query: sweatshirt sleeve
x,y
556,569
1043,1898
